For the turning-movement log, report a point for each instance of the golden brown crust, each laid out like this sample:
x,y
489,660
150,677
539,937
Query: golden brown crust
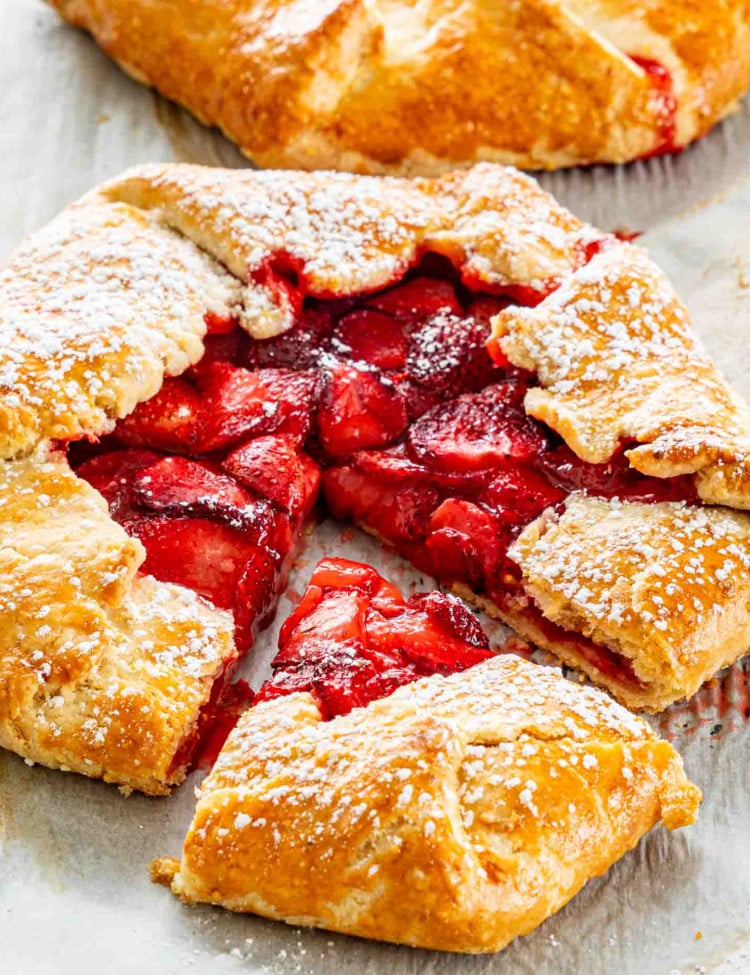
x,y
706,51
665,585
455,814
101,671
407,86
618,361
94,310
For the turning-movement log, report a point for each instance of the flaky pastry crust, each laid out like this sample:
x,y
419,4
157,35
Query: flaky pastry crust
x,y
118,284
406,86
664,585
101,671
456,814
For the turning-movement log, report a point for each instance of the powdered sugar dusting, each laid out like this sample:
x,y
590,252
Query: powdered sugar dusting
x,y
93,311
447,774
348,234
653,581
617,359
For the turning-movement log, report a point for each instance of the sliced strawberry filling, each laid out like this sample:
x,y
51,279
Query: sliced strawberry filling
x,y
353,639
201,747
392,403
665,100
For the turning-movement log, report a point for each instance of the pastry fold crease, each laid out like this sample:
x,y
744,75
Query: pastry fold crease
x,y
618,362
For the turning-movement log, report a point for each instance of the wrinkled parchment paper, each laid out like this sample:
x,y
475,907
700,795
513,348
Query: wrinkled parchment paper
x,y
75,895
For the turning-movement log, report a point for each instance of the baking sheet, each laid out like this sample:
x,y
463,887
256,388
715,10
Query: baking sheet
x,y
74,888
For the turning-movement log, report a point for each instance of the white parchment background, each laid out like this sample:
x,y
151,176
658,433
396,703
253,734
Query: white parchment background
x,y
74,889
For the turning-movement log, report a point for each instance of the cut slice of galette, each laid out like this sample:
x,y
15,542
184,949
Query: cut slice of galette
x,y
456,813
223,355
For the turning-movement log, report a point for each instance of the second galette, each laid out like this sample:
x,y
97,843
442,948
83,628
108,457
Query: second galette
x,y
422,86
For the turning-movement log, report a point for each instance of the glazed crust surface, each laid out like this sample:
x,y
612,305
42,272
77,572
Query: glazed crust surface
x,y
455,814
405,86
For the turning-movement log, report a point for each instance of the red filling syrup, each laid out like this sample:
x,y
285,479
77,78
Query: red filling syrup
x,y
353,639
662,83
393,402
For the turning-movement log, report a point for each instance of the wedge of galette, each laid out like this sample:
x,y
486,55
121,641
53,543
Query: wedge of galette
x,y
196,363
454,813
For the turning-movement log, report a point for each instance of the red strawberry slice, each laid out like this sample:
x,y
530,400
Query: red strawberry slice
x,y
257,588
278,275
203,555
171,420
394,466
219,348
449,354
615,479
275,469
416,300
240,404
337,620
346,652
446,610
325,653
418,399
454,557
396,514
339,683
335,573
219,324
339,688
372,337
518,495
425,641
177,486
477,430
466,542
299,348
357,410
112,476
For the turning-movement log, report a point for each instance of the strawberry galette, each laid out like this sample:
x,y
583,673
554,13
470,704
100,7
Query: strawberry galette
x,y
221,356
454,813
404,86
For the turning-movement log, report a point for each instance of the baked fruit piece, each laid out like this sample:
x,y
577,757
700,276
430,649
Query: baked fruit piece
x,y
354,638
206,348
456,813
401,86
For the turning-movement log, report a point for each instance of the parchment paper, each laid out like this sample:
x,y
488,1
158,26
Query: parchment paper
x,y
75,895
